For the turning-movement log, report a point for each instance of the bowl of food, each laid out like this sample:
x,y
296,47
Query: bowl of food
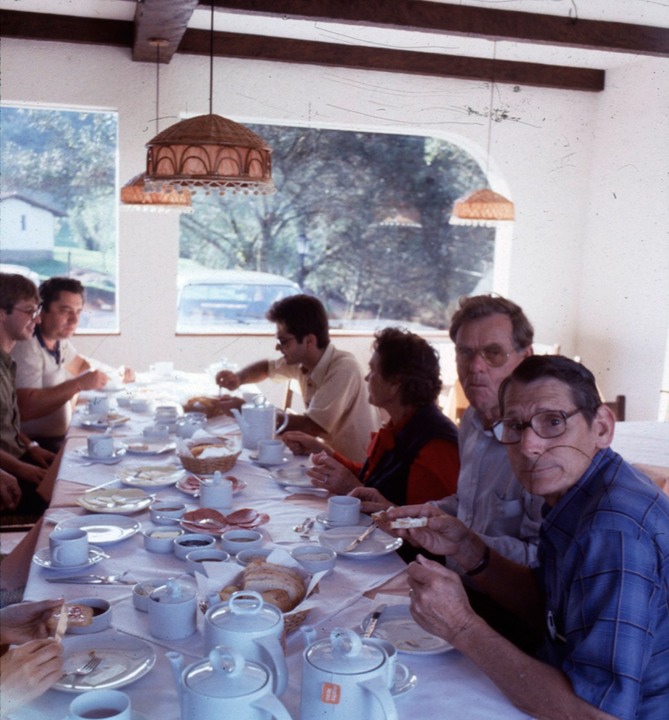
x,y
314,558
233,541
188,542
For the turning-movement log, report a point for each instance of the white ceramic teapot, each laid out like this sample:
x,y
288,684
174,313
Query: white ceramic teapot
x,y
225,685
344,676
257,422
253,628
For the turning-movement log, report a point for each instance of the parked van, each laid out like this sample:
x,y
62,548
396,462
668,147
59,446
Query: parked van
x,y
223,300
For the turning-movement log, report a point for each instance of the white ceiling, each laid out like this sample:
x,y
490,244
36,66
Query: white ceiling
x,y
639,12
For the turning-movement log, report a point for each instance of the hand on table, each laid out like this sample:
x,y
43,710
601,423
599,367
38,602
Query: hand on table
x,y
92,380
443,535
40,456
327,473
28,671
439,602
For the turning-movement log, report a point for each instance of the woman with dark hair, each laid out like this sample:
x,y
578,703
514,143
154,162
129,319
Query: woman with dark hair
x,y
414,456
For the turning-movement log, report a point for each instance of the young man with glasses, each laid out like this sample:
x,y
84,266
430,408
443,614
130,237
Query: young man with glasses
x,y
20,457
50,372
600,593
331,381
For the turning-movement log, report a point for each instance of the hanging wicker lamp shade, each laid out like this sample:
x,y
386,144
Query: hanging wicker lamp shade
x,y
135,196
209,152
482,207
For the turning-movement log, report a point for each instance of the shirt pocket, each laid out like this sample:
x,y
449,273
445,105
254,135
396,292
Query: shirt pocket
x,y
508,508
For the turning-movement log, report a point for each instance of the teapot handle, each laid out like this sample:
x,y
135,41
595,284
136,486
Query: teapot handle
x,y
284,424
271,704
378,688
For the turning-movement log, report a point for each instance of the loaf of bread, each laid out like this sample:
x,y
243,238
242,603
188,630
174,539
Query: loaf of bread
x,y
76,616
278,585
210,406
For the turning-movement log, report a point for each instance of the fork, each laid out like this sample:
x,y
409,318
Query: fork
x,y
88,667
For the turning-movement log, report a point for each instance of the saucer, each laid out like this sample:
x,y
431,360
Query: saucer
x,y
363,521
43,558
405,680
134,715
112,459
253,457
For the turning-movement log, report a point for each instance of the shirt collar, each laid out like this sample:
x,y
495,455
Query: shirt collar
x,y
317,375
55,353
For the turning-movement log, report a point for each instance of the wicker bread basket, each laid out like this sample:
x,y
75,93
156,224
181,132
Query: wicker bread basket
x,y
195,463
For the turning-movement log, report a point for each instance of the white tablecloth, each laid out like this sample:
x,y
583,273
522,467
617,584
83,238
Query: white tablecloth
x,y
448,683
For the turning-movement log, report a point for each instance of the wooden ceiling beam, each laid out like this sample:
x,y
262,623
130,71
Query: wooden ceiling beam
x,y
164,19
488,23
59,28
253,47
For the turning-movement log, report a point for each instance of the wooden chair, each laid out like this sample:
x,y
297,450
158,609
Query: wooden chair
x,y
618,407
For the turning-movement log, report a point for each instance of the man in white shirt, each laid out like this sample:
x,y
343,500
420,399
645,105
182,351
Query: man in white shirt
x,y
331,382
50,372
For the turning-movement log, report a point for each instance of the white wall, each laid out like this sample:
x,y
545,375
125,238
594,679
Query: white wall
x,y
567,260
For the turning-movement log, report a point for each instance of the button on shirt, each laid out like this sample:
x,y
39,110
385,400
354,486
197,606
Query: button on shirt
x,y
335,398
489,499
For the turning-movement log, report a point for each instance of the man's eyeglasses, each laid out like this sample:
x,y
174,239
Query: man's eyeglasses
x,y
493,355
33,312
546,424
283,341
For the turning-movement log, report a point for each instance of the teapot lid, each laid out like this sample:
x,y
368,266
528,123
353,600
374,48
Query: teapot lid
x,y
172,592
346,653
245,611
225,674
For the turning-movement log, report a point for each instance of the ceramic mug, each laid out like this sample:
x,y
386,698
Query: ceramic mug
x,y
343,510
68,547
270,452
100,446
102,704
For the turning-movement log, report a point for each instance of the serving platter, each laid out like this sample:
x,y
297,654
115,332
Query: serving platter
x,y
119,501
150,476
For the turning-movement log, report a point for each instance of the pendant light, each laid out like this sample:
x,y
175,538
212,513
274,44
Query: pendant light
x,y
134,194
209,152
484,207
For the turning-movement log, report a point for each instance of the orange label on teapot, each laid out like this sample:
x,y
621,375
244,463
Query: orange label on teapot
x,y
330,693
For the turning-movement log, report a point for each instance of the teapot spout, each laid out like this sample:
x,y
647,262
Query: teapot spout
x,y
309,633
176,662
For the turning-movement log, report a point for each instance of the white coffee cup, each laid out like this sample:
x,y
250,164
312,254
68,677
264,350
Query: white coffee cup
x,y
397,673
102,704
343,510
100,446
98,405
68,547
270,452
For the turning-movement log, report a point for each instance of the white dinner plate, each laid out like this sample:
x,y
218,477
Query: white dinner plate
x,y
43,558
134,715
397,626
142,445
150,476
376,545
292,476
103,529
119,501
102,422
124,660
119,452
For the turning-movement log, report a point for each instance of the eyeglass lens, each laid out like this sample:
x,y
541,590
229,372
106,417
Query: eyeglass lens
x,y
493,355
547,424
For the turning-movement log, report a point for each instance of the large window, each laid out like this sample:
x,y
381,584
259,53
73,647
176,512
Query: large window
x,y
359,219
58,202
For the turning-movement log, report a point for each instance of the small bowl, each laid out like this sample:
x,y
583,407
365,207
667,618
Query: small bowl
x,y
197,558
315,559
140,405
233,541
101,616
124,400
192,541
141,592
166,512
244,557
161,539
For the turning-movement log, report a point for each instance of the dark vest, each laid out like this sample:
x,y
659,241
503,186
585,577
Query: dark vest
x,y
391,474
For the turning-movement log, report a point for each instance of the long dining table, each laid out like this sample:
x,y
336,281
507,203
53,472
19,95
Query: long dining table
x,y
445,681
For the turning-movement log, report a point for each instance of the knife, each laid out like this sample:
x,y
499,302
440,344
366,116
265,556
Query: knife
x,y
363,536
371,626
86,580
